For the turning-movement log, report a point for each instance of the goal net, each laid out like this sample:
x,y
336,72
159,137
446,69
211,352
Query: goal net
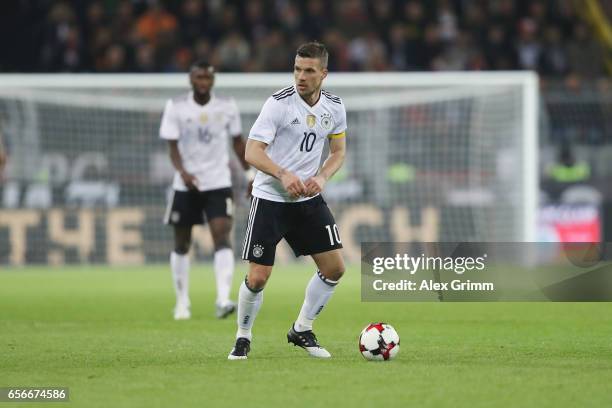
x,y
431,157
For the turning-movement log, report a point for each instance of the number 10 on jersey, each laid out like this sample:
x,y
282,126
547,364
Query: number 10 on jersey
x,y
334,234
308,141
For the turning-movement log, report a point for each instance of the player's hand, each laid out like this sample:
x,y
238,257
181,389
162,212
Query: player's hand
x,y
314,185
292,183
190,180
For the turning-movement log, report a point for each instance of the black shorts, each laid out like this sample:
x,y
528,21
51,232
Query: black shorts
x,y
308,226
187,208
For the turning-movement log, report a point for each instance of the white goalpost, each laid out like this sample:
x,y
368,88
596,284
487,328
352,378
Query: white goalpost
x,y
431,156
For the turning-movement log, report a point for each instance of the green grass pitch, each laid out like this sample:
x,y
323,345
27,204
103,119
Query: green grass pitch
x,y
108,335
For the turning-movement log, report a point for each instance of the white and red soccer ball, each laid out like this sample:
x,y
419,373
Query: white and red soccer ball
x,y
379,341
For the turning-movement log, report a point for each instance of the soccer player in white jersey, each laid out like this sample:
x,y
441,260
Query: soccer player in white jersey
x,y
285,145
198,126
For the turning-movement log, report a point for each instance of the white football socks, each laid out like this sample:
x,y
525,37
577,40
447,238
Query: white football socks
x,y
224,271
180,275
318,292
249,303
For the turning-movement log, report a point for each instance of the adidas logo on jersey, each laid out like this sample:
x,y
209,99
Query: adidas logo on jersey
x,y
295,121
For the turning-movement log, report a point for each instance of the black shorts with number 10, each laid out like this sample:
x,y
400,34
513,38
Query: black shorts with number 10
x,y
308,226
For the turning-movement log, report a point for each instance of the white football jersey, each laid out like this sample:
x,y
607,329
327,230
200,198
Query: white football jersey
x,y
295,133
203,133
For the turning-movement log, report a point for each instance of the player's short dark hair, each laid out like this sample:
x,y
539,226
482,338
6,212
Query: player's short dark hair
x,y
314,50
202,64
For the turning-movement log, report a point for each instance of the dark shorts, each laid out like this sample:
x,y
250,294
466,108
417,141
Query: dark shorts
x,y
308,226
187,208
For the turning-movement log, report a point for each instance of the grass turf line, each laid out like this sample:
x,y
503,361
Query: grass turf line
x,y
108,334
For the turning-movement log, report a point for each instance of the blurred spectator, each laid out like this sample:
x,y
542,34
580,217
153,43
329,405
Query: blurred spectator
x,y
155,22
232,53
564,17
382,17
115,59
163,35
367,53
226,22
317,19
255,25
475,20
193,21
585,55
498,50
144,60
123,21
398,47
456,56
430,48
95,17
553,59
102,39
202,49
181,61
447,21
273,53
567,169
96,14
503,14
289,17
351,17
62,48
528,47
418,56
537,12
337,45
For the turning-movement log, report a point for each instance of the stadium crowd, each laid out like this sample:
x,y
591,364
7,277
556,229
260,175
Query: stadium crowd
x,y
260,35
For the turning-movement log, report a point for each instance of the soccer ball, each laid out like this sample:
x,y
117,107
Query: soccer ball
x,y
379,341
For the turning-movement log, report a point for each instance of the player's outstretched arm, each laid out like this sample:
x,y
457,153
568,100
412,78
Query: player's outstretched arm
x,y
175,156
337,151
257,157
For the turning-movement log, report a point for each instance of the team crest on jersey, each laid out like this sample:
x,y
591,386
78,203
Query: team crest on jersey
x,y
203,118
311,120
257,251
326,121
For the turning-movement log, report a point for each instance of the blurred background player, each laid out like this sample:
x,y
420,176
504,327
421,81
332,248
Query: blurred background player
x,y
198,126
285,144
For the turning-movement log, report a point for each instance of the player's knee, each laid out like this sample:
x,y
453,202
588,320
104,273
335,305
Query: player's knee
x,y
181,248
256,282
338,272
258,277
222,244
335,272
